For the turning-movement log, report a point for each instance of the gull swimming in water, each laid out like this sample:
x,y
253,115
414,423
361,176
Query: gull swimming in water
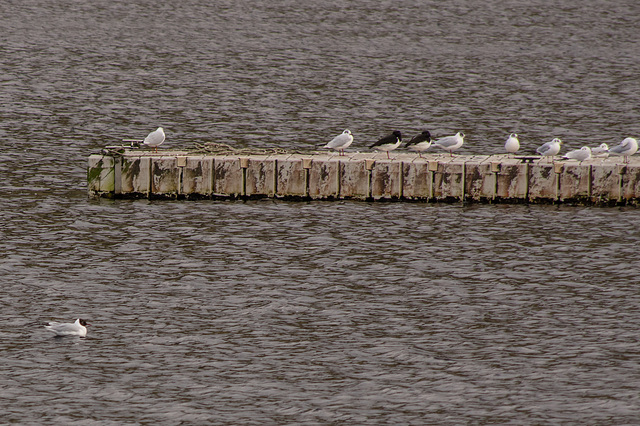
x,y
451,143
581,154
600,151
155,139
78,328
420,143
550,149
340,142
389,142
627,147
512,145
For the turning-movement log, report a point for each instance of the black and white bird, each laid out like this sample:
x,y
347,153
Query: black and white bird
x,y
627,147
512,145
581,154
550,149
155,139
340,142
420,143
389,142
450,143
78,328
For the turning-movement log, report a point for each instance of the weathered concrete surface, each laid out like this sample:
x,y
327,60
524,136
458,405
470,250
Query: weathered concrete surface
x,y
354,181
416,179
196,175
101,174
324,179
292,177
227,179
135,175
433,177
513,181
260,175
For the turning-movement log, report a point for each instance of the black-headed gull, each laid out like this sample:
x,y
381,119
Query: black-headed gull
x,y
389,142
627,147
581,154
420,143
78,328
155,139
600,151
340,142
550,149
512,145
450,143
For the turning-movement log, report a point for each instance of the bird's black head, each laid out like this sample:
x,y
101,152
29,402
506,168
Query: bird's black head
x,y
397,134
83,322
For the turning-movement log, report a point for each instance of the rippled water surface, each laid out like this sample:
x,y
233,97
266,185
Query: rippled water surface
x,y
266,312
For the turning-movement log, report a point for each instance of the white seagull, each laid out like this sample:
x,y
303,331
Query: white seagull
x,y
420,143
340,142
389,142
78,328
627,147
550,149
155,139
581,154
451,143
512,145
600,151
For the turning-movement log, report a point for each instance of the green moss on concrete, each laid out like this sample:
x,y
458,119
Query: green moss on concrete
x,y
93,173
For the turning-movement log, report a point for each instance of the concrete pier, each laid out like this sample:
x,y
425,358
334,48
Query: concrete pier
x,y
136,173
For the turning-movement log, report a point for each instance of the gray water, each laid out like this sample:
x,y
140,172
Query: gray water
x,y
266,312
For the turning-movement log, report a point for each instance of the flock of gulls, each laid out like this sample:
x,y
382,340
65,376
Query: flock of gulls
x,y
423,141
419,144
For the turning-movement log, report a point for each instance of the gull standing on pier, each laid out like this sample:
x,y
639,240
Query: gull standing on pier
x,y
420,143
78,328
550,149
340,142
155,139
627,147
581,154
389,142
600,151
451,143
512,145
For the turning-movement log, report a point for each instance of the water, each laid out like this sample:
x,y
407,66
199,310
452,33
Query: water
x,y
267,312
